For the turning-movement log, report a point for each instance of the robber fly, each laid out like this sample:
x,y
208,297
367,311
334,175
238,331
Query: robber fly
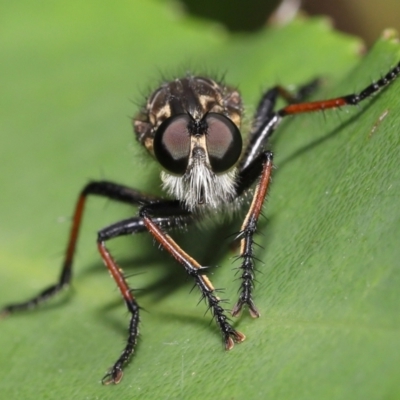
x,y
191,127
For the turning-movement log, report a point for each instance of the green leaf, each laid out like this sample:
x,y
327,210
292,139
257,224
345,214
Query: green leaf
x,y
329,286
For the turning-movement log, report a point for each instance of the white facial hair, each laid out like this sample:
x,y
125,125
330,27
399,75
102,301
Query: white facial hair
x,y
200,187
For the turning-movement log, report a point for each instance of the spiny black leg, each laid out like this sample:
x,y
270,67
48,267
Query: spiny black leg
x,y
262,164
126,227
351,99
266,105
230,336
266,120
195,270
354,99
106,189
114,375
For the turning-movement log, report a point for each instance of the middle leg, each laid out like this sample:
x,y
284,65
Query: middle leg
x,y
126,227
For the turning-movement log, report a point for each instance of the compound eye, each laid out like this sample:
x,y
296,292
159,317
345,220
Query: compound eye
x,y
172,144
224,142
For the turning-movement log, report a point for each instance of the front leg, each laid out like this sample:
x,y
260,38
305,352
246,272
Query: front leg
x,y
261,166
196,271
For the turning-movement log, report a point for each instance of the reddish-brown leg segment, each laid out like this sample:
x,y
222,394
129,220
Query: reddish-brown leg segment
x,y
106,189
266,120
164,215
194,269
351,99
114,375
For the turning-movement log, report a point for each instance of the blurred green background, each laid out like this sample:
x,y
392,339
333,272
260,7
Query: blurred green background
x,y
364,18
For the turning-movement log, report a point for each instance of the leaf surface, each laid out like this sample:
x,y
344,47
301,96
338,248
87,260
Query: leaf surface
x,y
328,287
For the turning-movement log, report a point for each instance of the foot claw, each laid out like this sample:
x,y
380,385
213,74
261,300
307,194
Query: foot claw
x,y
237,309
254,312
234,337
113,377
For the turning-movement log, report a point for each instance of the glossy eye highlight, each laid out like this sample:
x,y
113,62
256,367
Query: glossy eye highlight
x,y
172,144
224,142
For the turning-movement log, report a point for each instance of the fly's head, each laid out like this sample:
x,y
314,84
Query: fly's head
x,y
191,126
